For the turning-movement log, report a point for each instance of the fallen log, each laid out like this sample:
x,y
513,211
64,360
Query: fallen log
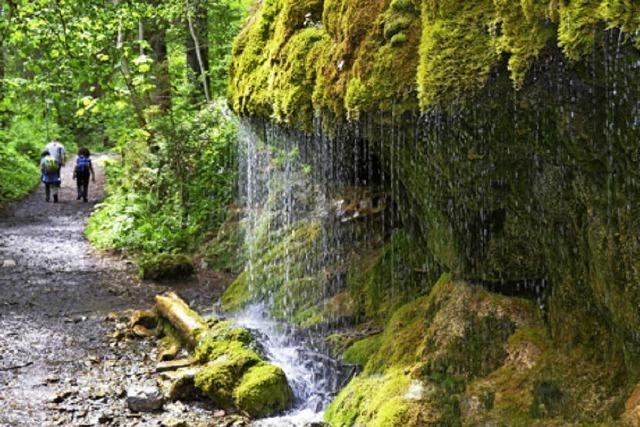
x,y
232,373
181,316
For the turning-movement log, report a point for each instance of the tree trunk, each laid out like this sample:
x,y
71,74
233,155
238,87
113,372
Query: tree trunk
x,y
162,94
197,44
6,11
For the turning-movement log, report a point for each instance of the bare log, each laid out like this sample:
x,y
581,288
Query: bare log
x,y
184,319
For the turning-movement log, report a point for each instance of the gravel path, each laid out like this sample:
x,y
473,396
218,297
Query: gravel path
x,y
57,366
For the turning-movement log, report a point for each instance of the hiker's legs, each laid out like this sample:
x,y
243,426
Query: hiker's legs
x,y
79,184
47,191
83,188
54,191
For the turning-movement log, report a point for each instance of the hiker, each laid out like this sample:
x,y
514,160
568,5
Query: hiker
x,y
81,173
50,175
56,150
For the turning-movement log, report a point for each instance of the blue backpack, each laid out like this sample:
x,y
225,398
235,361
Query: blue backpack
x,y
83,165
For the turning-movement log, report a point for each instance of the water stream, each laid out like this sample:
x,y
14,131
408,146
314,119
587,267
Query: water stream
x,y
313,376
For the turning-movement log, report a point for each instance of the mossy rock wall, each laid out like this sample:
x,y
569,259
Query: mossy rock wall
x,y
509,137
294,57
524,168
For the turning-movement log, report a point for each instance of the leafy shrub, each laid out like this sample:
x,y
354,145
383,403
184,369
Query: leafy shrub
x,y
165,201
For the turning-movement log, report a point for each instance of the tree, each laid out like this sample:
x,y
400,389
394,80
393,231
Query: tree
x,y
197,46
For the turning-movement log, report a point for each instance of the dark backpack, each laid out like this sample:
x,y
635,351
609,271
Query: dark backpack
x,y
83,165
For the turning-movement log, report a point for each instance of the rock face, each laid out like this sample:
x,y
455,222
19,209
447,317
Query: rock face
x,y
520,174
144,399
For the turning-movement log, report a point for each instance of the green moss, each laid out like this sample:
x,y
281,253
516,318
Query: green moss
x,y
279,272
213,345
263,391
237,295
165,266
235,376
398,39
360,351
358,96
380,282
218,379
455,50
406,6
417,371
168,334
280,61
371,400
395,26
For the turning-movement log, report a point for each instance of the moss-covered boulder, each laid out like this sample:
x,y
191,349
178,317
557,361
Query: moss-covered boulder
x,y
165,266
464,356
263,391
231,373
235,375
238,377
218,379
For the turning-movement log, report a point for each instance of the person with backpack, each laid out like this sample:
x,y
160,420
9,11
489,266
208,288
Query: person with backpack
x,y
57,151
81,173
50,175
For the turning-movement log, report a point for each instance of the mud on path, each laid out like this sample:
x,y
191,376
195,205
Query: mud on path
x,y
57,366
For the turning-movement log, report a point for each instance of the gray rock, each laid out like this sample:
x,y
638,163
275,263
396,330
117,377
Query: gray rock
x,y
180,384
145,398
174,422
8,263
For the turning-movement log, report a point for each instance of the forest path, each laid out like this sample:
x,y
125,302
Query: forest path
x,y
57,365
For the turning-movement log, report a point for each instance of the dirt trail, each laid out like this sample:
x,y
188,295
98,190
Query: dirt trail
x,y
57,366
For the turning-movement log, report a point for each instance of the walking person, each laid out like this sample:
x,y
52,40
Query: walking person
x,y
56,149
50,175
81,173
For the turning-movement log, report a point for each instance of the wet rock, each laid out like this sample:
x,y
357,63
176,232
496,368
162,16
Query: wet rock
x,y
179,384
62,396
631,414
146,318
51,379
219,414
147,398
8,263
142,331
174,422
315,403
316,424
